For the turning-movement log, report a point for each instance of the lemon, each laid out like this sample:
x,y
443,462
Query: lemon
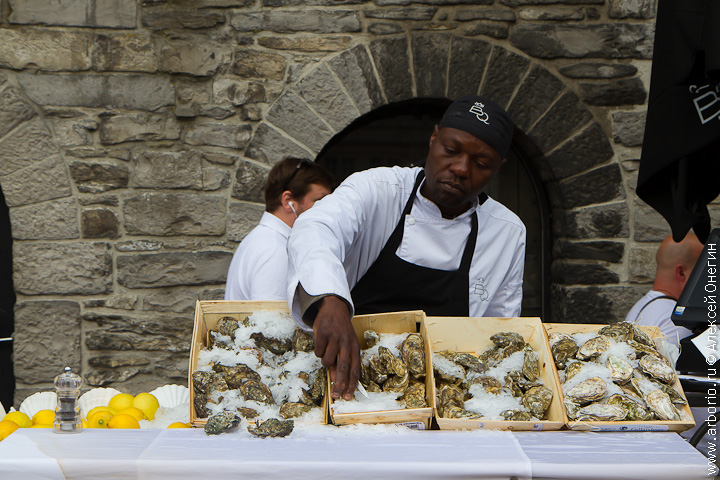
x,y
43,417
42,425
121,401
22,420
7,427
147,403
179,425
99,419
123,420
135,412
101,409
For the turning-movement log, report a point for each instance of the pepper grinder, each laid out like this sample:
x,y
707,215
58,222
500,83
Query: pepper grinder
x,y
67,411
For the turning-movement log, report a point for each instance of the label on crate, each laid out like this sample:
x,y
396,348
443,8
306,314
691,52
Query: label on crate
x,y
413,425
537,427
630,428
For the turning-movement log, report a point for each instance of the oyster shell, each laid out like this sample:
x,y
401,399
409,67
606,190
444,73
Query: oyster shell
x,y
537,400
505,339
221,341
531,365
317,389
371,338
510,349
415,395
657,368
389,364
571,408
602,412
221,422
372,372
208,382
278,346
455,374
467,360
588,391
555,337
491,384
641,337
272,427
200,403
459,412
491,357
563,349
593,348
303,341
642,349
227,326
413,354
397,383
449,395
620,370
293,409
237,375
572,369
256,390
635,411
620,332
659,402
516,415
247,412
513,386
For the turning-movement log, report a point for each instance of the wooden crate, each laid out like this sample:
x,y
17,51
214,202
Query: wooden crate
x,y
625,426
472,335
207,314
397,322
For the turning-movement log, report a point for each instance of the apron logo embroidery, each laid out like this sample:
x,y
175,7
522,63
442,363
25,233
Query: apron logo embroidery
x,y
707,104
479,289
480,114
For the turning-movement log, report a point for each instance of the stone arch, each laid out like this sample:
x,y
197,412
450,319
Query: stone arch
x,y
557,133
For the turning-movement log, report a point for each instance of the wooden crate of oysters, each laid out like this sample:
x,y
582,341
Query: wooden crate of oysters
x,y
250,365
395,373
615,378
493,373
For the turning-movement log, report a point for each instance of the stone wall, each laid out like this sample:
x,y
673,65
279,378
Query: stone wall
x,y
135,137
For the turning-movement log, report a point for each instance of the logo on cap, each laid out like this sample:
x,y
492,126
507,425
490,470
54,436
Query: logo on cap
x,y
477,109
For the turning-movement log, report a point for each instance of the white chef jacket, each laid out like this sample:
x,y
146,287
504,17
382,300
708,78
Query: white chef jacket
x,y
333,244
657,314
258,270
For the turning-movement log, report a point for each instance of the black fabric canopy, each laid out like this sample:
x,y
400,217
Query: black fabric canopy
x,y
680,164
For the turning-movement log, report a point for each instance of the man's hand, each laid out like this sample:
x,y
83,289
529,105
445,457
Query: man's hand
x,y
337,345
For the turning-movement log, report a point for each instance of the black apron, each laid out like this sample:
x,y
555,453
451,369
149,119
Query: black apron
x,y
392,284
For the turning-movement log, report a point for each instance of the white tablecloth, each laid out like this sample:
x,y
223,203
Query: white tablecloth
x,y
348,452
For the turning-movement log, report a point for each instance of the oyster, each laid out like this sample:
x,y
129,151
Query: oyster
x,y
588,391
531,365
657,368
371,338
303,341
247,412
272,427
258,391
449,395
659,402
317,389
200,403
415,395
537,400
516,415
491,384
221,341
620,370
573,369
237,375
512,385
635,411
510,349
620,332
467,360
372,373
491,357
293,409
208,382
389,364
602,412
413,354
452,373
221,422
459,412
505,339
562,350
278,346
571,408
641,337
642,349
397,383
593,348
555,337
227,326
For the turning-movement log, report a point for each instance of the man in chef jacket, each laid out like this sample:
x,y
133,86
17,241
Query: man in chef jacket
x,y
410,238
258,270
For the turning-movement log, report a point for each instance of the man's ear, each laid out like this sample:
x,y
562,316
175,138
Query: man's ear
x,y
681,273
285,198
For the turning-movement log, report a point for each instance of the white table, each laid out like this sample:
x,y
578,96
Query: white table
x,y
363,452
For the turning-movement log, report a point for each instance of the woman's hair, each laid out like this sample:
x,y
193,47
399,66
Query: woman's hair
x,y
296,175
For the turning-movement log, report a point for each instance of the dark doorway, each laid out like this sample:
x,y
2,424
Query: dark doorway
x,y
399,133
7,306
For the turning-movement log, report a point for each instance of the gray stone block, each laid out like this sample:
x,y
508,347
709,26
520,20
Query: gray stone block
x,y
488,29
31,142
104,200
116,303
119,360
430,57
484,13
113,14
648,224
625,91
296,3
99,223
518,3
14,110
159,169
249,182
505,70
237,92
124,91
218,134
606,251
600,221
629,128
256,64
468,58
415,13
355,71
382,3
584,41
46,340
585,150
172,269
537,92
598,70
270,146
242,218
326,43
74,130
632,9
567,273
534,14
601,185
174,214
607,304
197,56
126,52
95,177
136,127
53,220
321,90
75,13
391,59
139,246
293,116
379,28
62,268
178,300
642,264
560,122
289,21
42,181
164,17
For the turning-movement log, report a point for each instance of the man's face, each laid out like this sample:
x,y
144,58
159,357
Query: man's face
x,y
315,193
458,167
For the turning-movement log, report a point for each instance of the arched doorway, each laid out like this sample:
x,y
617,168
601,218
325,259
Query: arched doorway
x,y
398,134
